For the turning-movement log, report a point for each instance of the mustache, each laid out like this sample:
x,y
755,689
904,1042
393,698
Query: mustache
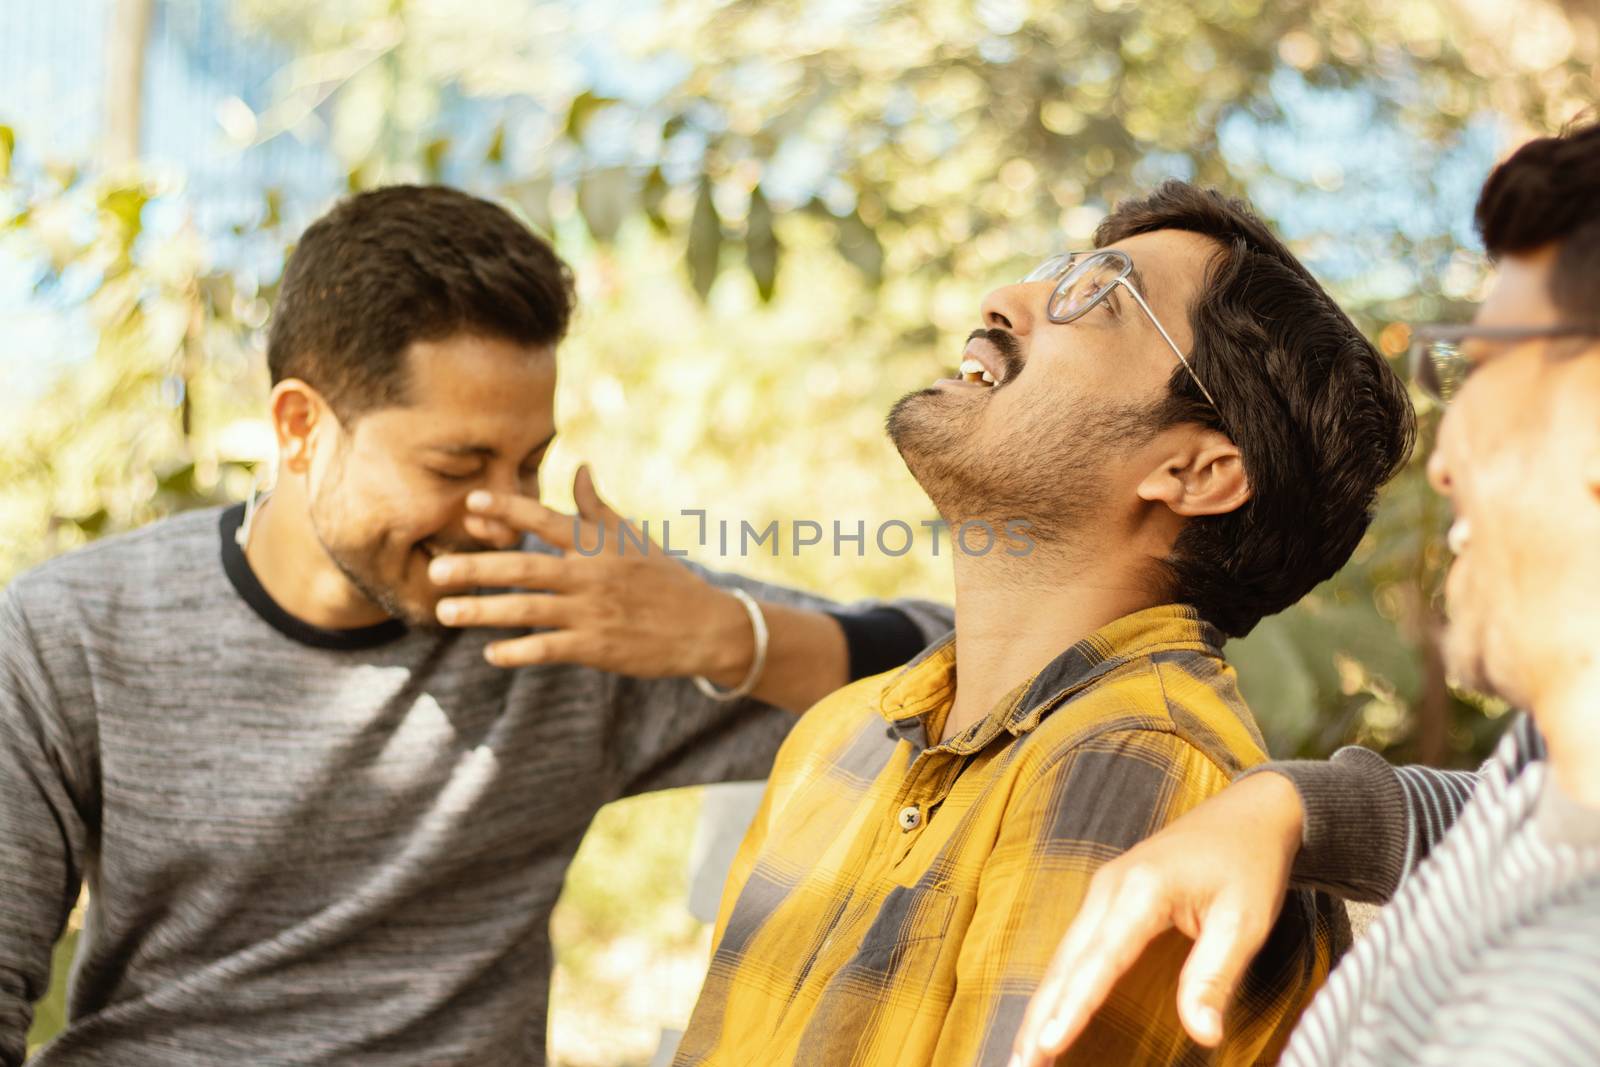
x,y
1010,351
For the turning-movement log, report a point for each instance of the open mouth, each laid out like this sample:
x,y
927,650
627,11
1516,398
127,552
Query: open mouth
x,y
981,365
973,371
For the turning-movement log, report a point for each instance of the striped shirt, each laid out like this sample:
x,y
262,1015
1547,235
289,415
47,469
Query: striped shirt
x,y
896,902
1489,952
305,846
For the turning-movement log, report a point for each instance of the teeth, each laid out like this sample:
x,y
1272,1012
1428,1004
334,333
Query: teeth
x,y
972,371
1459,537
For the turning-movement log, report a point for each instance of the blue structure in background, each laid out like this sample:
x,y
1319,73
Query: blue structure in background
x,y
52,77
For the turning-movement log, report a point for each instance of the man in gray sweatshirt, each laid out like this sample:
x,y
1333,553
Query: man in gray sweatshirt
x,y
322,793
1488,952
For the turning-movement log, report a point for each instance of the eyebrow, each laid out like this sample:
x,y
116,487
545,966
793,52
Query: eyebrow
x,y
483,451
1139,283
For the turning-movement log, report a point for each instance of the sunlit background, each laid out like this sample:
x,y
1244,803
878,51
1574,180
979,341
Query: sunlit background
x,y
782,217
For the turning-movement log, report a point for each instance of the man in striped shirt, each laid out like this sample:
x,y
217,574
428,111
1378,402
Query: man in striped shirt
x,y
1489,949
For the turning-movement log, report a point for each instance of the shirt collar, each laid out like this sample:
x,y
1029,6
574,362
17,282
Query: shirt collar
x,y
927,684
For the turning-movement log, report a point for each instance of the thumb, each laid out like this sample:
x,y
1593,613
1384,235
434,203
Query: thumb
x,y
587,497
1229,939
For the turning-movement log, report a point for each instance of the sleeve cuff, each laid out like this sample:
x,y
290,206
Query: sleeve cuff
x,y
879,639
1356,827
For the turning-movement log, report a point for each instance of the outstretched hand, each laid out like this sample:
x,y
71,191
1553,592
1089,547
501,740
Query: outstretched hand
x,y
1218,875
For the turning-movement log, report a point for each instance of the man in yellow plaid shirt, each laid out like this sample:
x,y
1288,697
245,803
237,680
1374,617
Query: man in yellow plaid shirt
x,y
1151,445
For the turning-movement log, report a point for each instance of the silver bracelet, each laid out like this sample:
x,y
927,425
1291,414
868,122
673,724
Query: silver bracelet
x,y
758,622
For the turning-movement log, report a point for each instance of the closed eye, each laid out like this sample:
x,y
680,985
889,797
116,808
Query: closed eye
x,y
530,468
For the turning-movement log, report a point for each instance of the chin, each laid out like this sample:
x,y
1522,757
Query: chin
x,y
417,610
1467,666
925,432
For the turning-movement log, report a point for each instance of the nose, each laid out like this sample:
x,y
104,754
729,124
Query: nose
x,y
1015,308
502,480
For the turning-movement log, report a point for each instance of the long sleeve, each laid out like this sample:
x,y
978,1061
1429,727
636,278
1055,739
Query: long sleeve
x,y
1368,824
668,734
43,829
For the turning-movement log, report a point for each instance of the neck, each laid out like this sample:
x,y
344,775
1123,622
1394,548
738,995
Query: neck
x,y
293,567
1016,614
1568,714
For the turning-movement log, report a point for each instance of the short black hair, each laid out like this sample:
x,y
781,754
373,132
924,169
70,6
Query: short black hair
x,y
1320,418
1549,191
402,264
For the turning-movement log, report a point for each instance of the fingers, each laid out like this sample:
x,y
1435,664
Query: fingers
x,y
506,610
587,497
502,570
1228,941
560,646
1045,1007
1120,917
524,513
491,532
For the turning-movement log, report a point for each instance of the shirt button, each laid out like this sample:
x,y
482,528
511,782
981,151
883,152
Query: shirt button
x,y
910,818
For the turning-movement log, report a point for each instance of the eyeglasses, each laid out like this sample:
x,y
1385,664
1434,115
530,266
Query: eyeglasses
x,y
1085,280
1439,365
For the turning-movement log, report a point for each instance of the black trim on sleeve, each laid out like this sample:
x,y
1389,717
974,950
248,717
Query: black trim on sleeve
x,y
879,639
250,589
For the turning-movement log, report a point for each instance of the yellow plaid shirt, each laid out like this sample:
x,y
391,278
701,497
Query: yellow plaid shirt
x,y
897,903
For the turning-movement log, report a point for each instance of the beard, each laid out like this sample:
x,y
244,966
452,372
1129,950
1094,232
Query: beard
x,y
335,521
1047,470
362,569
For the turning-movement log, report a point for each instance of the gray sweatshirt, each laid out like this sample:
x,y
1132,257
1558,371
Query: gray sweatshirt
x,y
307,846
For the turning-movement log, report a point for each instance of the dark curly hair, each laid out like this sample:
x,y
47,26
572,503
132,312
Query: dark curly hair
x,y
408,263
1320,418
1549,191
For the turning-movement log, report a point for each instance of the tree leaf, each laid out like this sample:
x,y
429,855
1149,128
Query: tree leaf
x,y
8,145
272,201
761,245
532,200
125,203
859,244
652,196
433,154
604,197
496,152
584,107
1277,685
705,241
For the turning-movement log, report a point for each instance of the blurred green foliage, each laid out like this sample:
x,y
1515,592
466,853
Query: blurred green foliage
x,y
50,1014
783,216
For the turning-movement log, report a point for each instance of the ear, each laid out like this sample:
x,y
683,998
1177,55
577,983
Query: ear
x,y
301,419
1205,476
